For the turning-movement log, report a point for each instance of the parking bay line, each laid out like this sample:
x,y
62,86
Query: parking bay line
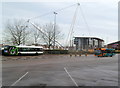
x,y
19,79
71,77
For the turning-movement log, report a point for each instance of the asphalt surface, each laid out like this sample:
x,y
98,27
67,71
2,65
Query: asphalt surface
x,y
59,70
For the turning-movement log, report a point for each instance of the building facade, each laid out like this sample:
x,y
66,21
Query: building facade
x,y
114,45
82,43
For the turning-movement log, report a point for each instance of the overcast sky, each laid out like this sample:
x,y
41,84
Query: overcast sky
x,y
101,17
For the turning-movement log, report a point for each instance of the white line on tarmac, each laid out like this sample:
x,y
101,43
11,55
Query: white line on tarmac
x,y
19,79
71,77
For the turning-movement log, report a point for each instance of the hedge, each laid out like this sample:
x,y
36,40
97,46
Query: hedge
x,y
56,51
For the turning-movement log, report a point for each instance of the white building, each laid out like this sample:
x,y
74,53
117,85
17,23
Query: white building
x,y
88,43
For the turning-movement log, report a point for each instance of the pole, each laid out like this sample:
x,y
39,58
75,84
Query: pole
x,y
54,29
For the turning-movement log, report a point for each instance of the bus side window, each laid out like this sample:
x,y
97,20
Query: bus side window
x,y
41,49
109,51
38,49
31,49
25,49
35,49
19,49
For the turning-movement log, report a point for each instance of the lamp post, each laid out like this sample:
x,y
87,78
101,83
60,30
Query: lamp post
x,y
54,29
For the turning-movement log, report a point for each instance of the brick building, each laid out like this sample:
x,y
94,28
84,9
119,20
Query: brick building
x,y
114,45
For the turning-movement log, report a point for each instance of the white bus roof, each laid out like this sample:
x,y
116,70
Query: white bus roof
x,y
30,46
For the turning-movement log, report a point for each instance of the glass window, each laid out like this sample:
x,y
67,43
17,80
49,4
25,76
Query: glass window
x,y
97,51
30,49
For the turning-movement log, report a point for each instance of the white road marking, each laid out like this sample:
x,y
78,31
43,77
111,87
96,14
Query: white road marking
x,y
19,79
71,77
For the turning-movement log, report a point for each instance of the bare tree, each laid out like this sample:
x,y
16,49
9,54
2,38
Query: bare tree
x,y
48,35
36,36
16,32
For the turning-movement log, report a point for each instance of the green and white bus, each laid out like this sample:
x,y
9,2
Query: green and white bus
x,y
19,50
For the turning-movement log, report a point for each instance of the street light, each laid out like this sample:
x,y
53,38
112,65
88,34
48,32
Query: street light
x,y
54,29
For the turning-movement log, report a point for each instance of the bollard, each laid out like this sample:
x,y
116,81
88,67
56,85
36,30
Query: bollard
x,y
86,54
70,55
75,55
79,54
